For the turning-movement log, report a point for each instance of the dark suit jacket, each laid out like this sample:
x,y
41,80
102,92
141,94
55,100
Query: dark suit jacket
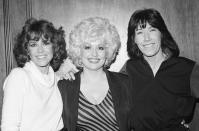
x,y
119,87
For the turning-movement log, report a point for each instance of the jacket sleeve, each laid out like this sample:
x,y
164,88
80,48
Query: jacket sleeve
x,y
194,84
194,81
63,85
14,89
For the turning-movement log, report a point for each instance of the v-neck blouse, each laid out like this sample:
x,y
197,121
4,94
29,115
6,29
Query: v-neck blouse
x,y
96,117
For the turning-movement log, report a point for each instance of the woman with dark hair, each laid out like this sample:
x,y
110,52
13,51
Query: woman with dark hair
x,y
164,84
139,20
32,101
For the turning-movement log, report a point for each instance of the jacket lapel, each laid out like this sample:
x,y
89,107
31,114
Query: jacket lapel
x,y
73,100
115,89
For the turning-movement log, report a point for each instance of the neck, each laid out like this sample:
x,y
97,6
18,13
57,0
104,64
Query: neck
x,y
93,74
44,70
155,61
94,85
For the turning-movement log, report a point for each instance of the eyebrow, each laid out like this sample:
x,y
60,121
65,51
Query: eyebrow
x,y
33,40
86,43
144,28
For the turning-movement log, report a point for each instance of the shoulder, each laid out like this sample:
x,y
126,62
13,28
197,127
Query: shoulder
x,y
120,83
67,84
185,60
119,77
133,61
18,71
16,80
184,64
62,84
17,74
180,64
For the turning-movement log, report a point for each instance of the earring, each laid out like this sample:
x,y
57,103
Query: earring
x,y
80,62
106,62
28,55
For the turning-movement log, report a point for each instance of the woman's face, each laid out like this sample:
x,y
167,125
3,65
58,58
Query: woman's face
x,y
148,40
41,53
93,55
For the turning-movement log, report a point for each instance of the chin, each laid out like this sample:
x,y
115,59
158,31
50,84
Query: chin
x,y
149,55
93,68
43,64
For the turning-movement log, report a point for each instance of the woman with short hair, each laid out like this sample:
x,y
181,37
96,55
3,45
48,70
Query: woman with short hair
x,y
32,101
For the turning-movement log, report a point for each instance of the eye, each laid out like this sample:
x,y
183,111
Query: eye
x,y
139,32
33,44
46,42
152,29
101,48
86,47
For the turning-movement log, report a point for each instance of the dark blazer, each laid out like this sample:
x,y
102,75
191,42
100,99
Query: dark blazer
x,y
119,87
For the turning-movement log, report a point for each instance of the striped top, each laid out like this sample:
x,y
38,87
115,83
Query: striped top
x,y
99,117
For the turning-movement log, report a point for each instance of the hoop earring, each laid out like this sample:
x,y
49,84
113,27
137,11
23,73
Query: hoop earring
x,y
80,62
28,56
106,63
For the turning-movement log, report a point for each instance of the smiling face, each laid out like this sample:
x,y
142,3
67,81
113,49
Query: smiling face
x,y
41,53
148,40
93,55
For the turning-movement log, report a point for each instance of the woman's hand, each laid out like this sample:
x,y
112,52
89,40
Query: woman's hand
x,y
67,70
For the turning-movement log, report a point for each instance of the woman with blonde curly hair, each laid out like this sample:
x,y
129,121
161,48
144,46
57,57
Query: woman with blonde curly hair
x,y
97,99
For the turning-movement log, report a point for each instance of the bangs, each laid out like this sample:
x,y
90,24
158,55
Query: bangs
x,y
141,24
142,19
40,30
35,36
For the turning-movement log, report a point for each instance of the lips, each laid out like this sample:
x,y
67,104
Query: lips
x,y
148,45
41,56
93,60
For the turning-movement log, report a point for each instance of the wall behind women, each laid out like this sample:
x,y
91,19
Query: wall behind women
x,y
181,17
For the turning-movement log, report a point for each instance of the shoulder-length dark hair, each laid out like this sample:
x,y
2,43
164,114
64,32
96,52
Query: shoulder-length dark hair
x,y
153,18
34,30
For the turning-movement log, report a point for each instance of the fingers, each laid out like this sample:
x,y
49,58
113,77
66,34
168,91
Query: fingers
x,y
75,69
59,75
70,65
67,76
67,70
72,75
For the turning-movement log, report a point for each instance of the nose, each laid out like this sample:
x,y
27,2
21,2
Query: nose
x,y
40,47
146,36
94,52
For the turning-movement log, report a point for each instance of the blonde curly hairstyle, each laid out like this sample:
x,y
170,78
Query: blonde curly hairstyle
x,y
94,29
